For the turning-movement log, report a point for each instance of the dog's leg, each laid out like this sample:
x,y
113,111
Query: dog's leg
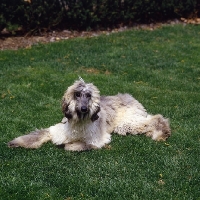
x,y
79,146
156,127
33,140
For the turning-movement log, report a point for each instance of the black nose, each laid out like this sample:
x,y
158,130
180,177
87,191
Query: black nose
x,y
83,109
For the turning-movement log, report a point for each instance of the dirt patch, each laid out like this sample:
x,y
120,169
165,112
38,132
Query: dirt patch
x,y
14,43
92,71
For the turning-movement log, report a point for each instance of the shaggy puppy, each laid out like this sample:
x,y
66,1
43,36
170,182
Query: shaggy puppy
x,y
90,119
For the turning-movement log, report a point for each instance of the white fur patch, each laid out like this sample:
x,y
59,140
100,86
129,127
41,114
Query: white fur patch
x,y
58,133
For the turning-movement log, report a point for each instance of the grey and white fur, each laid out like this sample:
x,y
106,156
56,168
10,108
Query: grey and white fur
x,y
90,119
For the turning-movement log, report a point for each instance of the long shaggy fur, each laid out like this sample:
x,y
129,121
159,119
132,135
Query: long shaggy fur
x,y
90,119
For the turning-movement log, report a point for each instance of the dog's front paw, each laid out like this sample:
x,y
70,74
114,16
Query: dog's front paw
x,y
13,143
77,146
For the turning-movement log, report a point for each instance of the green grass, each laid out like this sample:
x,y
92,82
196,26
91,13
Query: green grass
x,y
160,68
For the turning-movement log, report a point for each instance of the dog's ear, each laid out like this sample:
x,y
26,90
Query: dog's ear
x,y
65,109
94,117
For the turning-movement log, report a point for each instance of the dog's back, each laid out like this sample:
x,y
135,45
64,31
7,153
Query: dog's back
x,y
119,109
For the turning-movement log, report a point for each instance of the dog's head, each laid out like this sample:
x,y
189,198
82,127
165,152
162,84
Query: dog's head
x,y
81,101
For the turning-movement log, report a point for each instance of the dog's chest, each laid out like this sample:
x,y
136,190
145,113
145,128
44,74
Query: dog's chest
x,y
81,131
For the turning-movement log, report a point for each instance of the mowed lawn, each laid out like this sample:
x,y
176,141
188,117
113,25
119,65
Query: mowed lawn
x,y
160,68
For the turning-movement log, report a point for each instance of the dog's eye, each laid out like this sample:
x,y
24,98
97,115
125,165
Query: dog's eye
x,y
77,94
88,95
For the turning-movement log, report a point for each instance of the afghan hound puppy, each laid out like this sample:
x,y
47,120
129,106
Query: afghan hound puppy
x,y
90,119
